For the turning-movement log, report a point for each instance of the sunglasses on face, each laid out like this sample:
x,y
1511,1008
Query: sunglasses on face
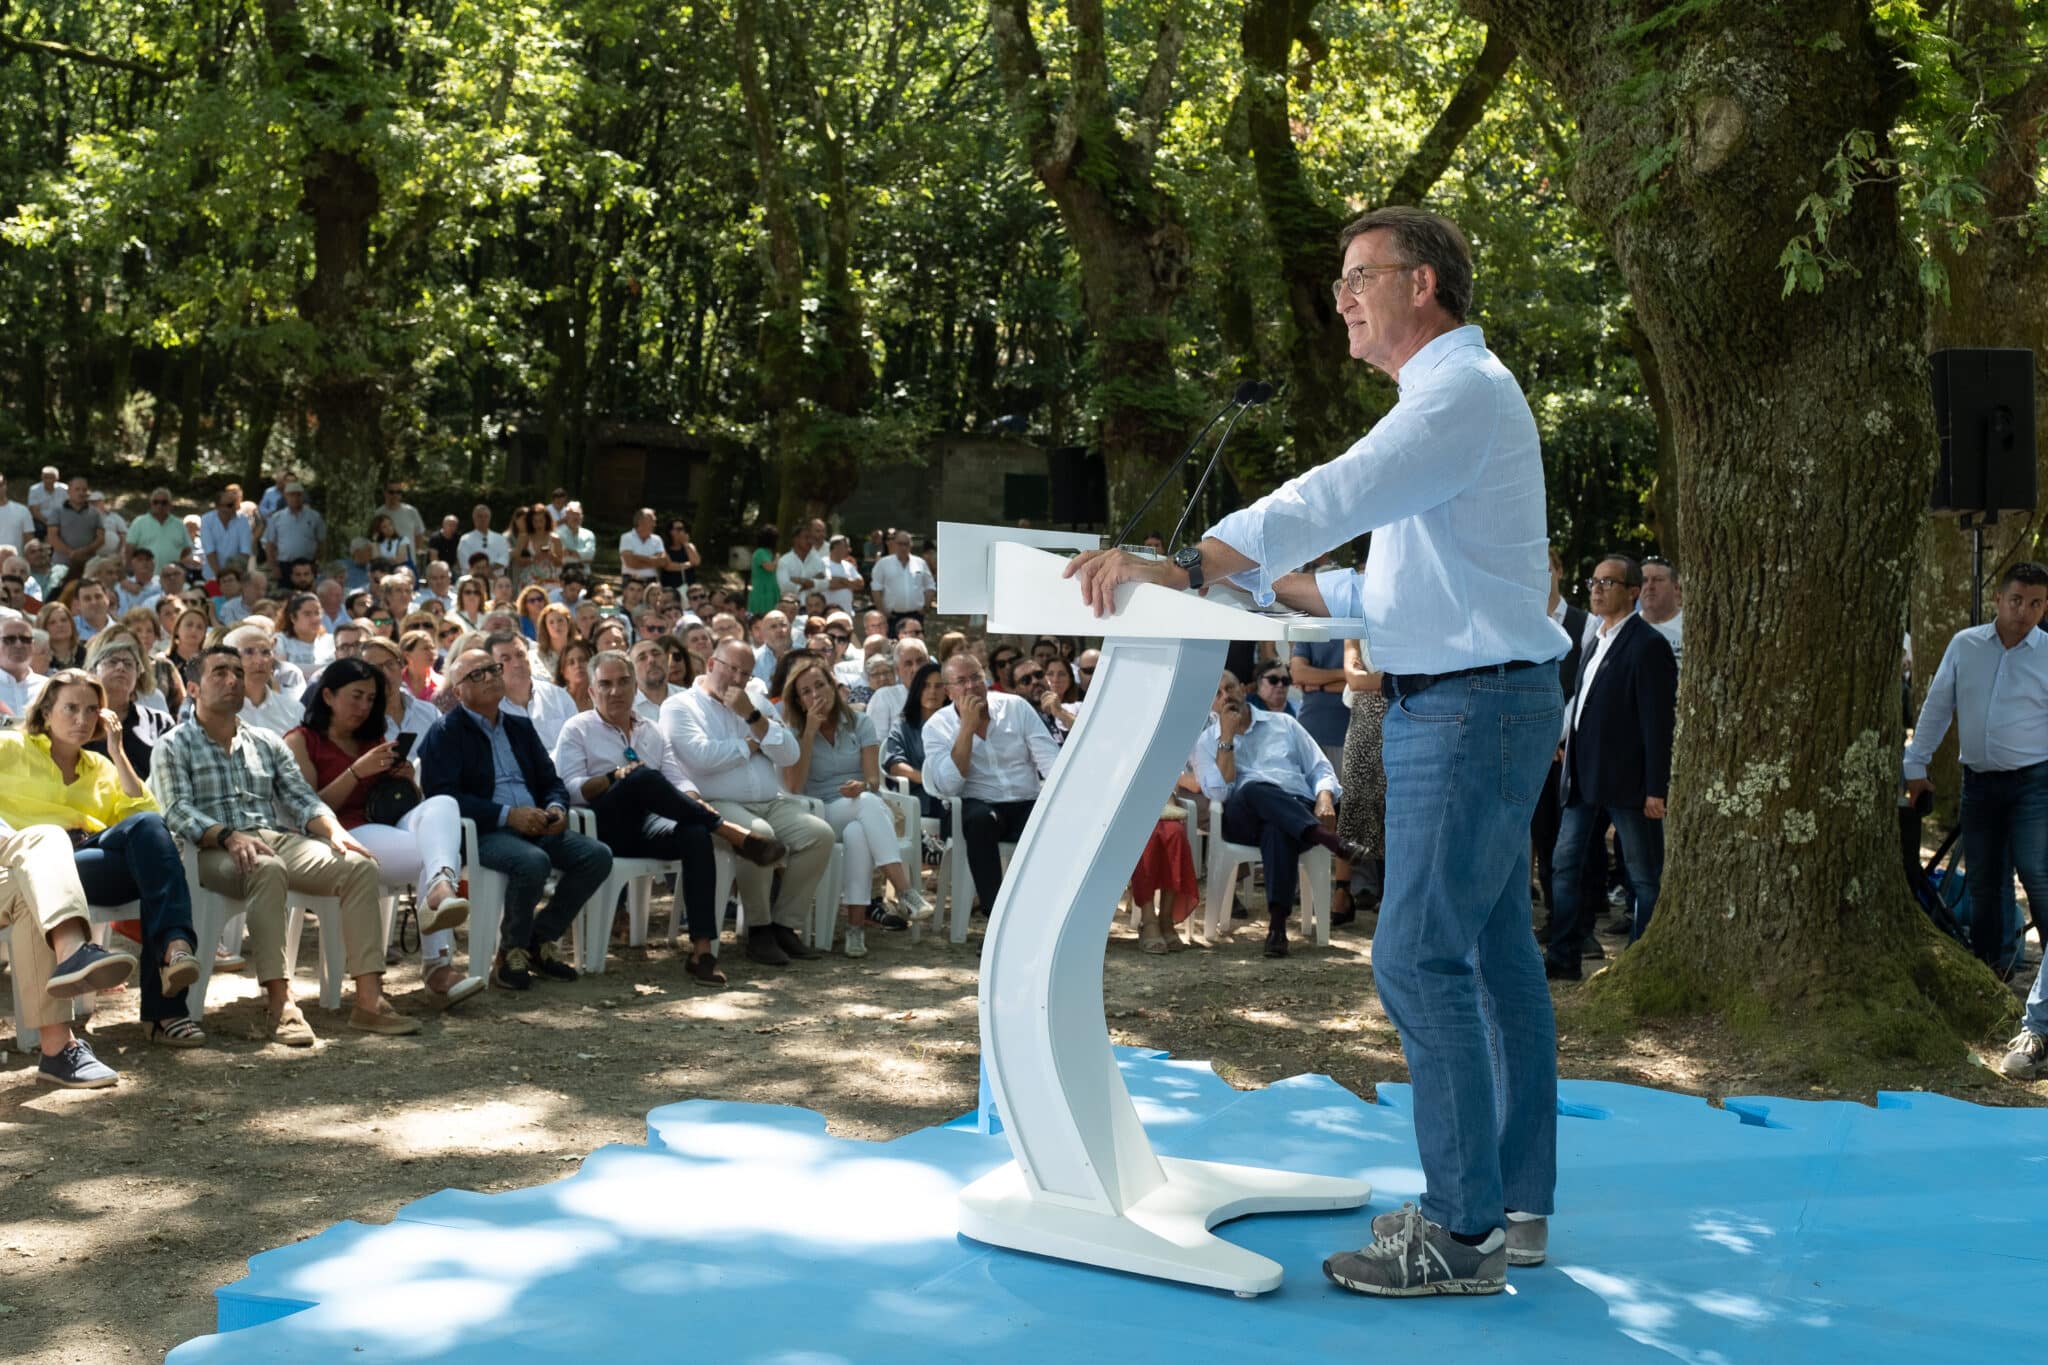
x,y
1274,680
1029,677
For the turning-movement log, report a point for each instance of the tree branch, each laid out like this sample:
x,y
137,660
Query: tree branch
x,y
1433,156
1022,72
1157,97
65,52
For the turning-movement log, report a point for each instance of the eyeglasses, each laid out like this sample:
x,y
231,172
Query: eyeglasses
x,y
484,673
1606,582
17,640
1030,677
1087,671
1357,276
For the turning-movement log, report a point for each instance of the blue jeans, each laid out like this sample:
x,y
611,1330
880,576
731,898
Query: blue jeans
x,y
137,860
2005,824
583,863
1573,910
1456,965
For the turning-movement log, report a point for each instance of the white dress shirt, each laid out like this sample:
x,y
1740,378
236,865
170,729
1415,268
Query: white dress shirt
x,y
418,719
17,695
789,568
490,544
1007,764
1276,749
279,712
841,574
224,540
590,745
711,742
1450,482
1996,697
650,711
634,543
885,708
548,707
900,585
1603,640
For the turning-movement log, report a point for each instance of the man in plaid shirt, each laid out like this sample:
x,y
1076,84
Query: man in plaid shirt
x,y
236,792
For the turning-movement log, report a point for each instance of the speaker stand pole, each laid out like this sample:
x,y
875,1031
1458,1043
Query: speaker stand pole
x,y
1975,523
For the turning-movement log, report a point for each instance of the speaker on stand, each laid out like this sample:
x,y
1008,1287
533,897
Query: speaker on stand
x,y
1984,415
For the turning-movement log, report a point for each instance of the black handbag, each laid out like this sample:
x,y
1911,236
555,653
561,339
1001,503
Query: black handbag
x,y
390,800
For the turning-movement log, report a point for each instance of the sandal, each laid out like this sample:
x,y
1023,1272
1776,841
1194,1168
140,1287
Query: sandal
x,y
180,1032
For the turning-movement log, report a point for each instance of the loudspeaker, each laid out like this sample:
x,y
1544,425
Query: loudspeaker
x,y
1984,413
1079,486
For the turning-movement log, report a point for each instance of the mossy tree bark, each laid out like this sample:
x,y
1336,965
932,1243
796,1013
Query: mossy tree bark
x,y
1125,228
1803,436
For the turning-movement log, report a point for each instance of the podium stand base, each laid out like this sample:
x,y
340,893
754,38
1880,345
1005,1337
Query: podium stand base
x,y
1164,1235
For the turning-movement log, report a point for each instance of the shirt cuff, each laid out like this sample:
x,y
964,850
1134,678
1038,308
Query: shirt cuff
x,y
1242,532
1343,592
504,815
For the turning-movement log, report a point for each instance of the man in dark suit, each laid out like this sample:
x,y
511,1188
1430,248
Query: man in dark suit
x,y
1616,761
494,765
1581,625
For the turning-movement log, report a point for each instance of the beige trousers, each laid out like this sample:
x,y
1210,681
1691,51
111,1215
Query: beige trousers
x,y
298,863
809,841
38,891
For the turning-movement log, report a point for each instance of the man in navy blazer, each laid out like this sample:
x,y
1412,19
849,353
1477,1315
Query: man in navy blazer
x,y
1616,761
494,765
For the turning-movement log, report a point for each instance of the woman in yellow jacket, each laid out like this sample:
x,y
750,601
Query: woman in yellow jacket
x,y
121,852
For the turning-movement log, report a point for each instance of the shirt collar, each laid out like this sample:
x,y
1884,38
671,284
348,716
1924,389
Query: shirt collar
x,y
480,720
1426,361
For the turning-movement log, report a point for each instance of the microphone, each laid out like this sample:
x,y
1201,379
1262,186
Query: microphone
x,y
1248,392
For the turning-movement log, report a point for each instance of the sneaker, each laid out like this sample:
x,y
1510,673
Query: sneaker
x,y
2024,1055
792,943
856,941
1528,1238
75,1068
91,968
514,970
911,901
762,948
881,916
1411,1256
551,964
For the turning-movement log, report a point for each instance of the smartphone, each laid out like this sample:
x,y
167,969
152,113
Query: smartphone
x,y
403,745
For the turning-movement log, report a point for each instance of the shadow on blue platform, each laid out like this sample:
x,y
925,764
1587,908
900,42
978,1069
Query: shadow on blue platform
x,y
1773,1230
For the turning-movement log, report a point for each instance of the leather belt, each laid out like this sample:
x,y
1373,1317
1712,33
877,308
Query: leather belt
x,y
1394,686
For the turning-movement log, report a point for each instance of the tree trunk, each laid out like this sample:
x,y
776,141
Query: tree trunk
x,y
1124,227
1802,433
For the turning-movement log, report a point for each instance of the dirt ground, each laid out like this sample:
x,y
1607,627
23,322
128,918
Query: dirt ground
x,y
122,1210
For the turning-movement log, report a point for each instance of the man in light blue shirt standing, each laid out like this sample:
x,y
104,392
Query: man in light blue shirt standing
x,y
1993,687
1450,483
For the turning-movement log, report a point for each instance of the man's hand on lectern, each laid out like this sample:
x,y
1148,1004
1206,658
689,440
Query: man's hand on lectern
x,y
1099,571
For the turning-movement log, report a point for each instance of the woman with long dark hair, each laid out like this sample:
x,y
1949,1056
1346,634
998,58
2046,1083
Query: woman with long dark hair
x,y
342,750
903,751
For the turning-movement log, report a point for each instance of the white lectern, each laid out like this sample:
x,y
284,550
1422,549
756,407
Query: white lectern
x,y
1086,1184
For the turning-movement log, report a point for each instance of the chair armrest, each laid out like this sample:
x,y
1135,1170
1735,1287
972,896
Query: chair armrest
x,y
583,820
469,855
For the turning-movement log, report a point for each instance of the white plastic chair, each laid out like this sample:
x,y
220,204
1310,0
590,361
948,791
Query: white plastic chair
x,y
1225,858
328,910
487,904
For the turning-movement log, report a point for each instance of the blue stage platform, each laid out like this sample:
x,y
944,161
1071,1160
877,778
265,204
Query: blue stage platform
x,y
1773,1230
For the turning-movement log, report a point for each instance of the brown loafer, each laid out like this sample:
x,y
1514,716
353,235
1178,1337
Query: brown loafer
x,y
382,1020
703,967
289,1027
762,849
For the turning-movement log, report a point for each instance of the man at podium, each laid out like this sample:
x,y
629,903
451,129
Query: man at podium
x,y
1454,593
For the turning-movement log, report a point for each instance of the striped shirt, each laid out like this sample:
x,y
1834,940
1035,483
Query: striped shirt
x,y
254,783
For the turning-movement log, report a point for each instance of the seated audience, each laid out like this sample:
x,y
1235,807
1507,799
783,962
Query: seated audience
x,y
492,761
838,762
735,744
541,702
342,749
992,752
1278,791
234,790
116,660
617,762
269,697
903,755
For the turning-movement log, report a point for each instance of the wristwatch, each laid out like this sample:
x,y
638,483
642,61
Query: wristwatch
x,y
1190,559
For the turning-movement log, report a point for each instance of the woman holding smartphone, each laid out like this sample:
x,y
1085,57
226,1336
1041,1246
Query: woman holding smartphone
x,y
342,751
